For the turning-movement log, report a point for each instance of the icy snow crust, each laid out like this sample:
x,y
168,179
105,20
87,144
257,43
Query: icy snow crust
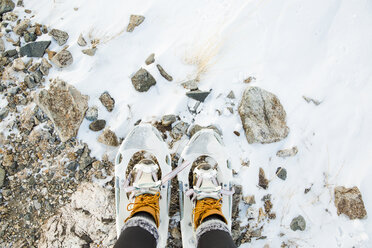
x,y
320,49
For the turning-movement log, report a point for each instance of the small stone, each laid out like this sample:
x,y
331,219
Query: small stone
x,y
45,66
196,128
262,181
237,133
281,173
107,101
34,49
6,6
134,21
175,232
97,165
2,46
91,114
143,80
298,223
309,100
81,41
90,51
349,201
11,53
150,59
97,125
30,82
179,130
231,95
164,73
29,37
108,137
18,64
28,11
62,59
51,54
190,84
249,80
198,95
37,30
3,113
287,152
20,28
250,199
60,36
168,120
2,177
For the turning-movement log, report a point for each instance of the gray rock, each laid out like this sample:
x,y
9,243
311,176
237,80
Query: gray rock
x,y
134,21
287,152
81,41
20,28
30,82
107,101
150,59
2,177
2,46
29,37
349,201
90,51
34,49
45,66
190,84
168,120
62,59
198,95
281,173
11,53
6,6
91,114
309,100
60,36
298,223
164,73
143,80
108,137
97,125
263,117
65,106
262,181
179,130
3,113
231,95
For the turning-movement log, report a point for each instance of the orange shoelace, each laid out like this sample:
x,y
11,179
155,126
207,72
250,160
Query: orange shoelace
x,y
205,205
145,200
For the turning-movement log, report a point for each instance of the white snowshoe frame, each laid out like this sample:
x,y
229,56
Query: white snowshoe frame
x,y
206,142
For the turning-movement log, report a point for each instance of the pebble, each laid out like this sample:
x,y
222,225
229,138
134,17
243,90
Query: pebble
x,y
168,120
107,101
262,181
134,21
91,114
298,223
164,73
60,36
150,59
97,125
90,51
198,95
281,173
62,59
2,177
6,6
3,113
20,28
287,152
81,41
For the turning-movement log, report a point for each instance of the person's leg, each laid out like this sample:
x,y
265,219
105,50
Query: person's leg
x,y
213,232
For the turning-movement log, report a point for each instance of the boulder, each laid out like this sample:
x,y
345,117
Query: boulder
x,y
65,106
349,201
2,177
198,95
263,117
143,80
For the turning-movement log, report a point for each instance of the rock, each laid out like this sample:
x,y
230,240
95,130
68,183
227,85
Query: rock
x,y
26,118
249,79
281,173
51,54
150,59
10,53
90,51
262,181
81,41
18,64
287,152
3,113
29,37
236,133
6,6
179,130
45,66
20,28
196,128
34,49
89,220
134,21
175,232
60,36
107,101
30,82
262,116
2,177
231,95
108,137
164,73
168,120
91,114
198,95
9,16
298,223
349,201
190,84
65,106
250,199
309,100
62,59
2,46
97,125
143,80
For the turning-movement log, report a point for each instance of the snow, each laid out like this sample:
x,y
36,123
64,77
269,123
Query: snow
x,y
319,49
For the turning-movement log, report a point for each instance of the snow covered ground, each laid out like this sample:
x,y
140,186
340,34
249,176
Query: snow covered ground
x,y
319,49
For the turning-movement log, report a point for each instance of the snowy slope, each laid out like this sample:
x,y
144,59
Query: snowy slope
x,y
320,49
